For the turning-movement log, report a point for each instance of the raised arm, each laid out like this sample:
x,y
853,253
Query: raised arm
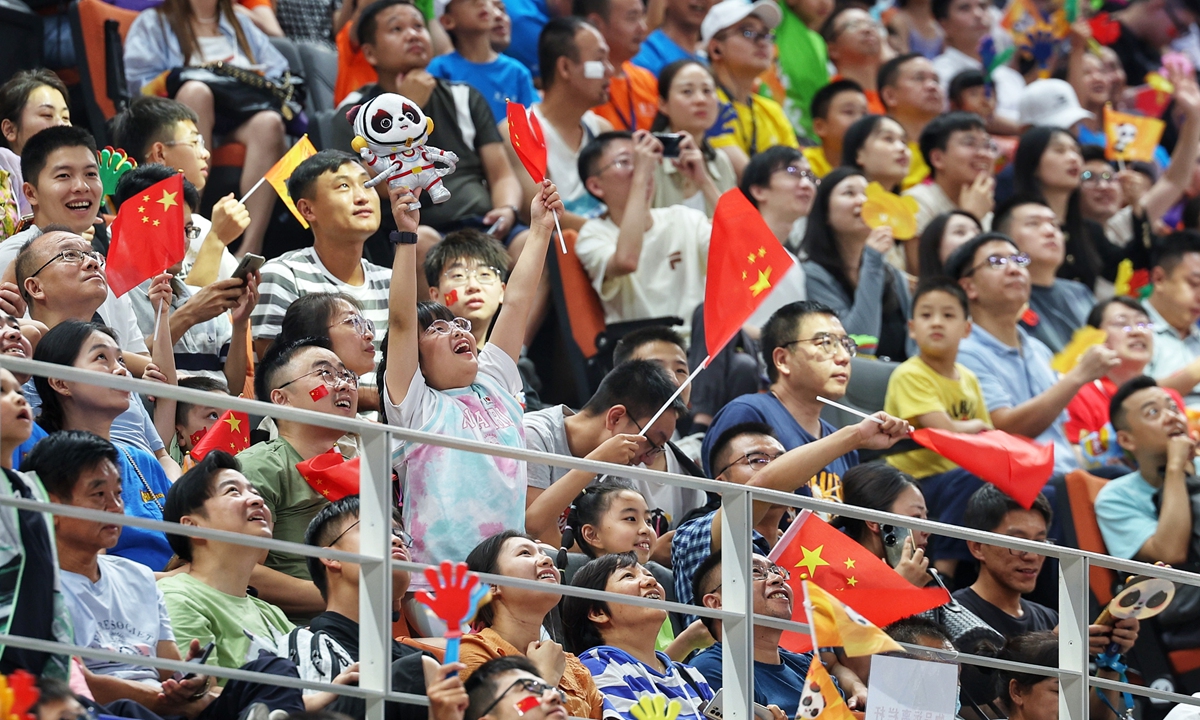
x,y
647,155
509,332
1178,175
402,353
793,469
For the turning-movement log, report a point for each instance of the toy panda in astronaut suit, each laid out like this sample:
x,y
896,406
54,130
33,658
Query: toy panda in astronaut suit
x,y
390,133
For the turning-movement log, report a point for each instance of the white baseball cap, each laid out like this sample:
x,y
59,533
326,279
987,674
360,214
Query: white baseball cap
x,y
1051,102
728,13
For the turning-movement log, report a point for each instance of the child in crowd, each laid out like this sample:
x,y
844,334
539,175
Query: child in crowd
x,y
438,380
835,108
932,390
613,518
497,77
192,421
971,91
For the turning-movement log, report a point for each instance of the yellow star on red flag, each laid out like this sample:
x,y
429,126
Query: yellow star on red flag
x,y
812,559
167,200
763,283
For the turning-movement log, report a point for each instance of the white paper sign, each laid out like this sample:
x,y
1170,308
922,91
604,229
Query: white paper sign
x,y
906,689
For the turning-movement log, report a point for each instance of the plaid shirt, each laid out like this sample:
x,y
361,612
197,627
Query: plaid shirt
x,y
690,545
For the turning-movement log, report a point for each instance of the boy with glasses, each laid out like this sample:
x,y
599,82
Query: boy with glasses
x,y
778,674
1024,395
467,272
305,374
934,390
1006,574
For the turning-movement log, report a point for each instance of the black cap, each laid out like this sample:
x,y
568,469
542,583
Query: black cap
x,y
960,261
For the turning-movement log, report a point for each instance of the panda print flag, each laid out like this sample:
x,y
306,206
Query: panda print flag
x,y
820,700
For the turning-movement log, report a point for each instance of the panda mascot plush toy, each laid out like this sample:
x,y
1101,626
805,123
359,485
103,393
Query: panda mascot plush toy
x,y
390,133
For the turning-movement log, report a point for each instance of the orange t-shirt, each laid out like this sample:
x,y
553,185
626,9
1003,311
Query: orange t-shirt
x,y
874,104
632,99
353,69
251,4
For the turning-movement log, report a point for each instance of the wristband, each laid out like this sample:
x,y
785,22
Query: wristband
x,y
402,238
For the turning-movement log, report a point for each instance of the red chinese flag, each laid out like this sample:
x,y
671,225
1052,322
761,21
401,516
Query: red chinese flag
x,y
525,133
813,550
1016,465
231,433
331,475
744,262
147,235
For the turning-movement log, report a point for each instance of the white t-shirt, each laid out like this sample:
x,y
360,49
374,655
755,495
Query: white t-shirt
x,y
669,279
228,262
115,614
545,430
1009,82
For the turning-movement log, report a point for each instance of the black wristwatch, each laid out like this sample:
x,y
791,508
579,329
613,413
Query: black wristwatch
x,y
402,238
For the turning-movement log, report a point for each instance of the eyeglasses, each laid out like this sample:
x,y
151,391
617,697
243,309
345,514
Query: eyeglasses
x,y
361,325
73,257
191,232
1088,177
196,143
976,144
829,343
1000,261
762,572
756,461
331,378
655,449
485,275
537,687
621,163
801,174
1018,553
446,327
405,539
754,36
859,24
1128,327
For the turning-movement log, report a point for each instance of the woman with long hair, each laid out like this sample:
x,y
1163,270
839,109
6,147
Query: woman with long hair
x,y
687,105
882,487
30,101
182,33
878,146
512,623
847,271
70,405
1049,164
942,236
616,641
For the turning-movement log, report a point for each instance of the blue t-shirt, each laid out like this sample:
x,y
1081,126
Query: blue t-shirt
x,y
502,79
24,448
773,684
766,408
1010,376
658,51
528,19
144,495
1127,515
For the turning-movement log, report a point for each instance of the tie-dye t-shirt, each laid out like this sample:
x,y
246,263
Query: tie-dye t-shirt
x,y
453,499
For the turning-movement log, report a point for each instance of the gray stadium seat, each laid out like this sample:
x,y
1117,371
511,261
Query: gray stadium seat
x,y
320,74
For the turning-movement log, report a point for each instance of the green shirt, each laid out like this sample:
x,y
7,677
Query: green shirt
x,y
803,67
240,626
271,469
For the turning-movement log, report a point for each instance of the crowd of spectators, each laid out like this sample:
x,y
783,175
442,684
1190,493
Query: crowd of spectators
x,y
422,316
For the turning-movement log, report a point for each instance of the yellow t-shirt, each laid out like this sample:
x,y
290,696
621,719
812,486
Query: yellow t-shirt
x,y
762,124
915,389
817,161
917,169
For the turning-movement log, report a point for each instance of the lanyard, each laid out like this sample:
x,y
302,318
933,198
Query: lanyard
x,y
631,121
753,149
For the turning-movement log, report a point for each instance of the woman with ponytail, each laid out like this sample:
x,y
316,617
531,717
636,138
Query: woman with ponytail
x,y
513,622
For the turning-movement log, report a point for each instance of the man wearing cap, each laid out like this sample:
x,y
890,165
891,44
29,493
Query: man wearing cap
x,y
633,91
1024,395
966,23
739,41
1051,102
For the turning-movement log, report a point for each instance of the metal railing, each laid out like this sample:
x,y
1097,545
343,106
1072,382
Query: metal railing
x,y
374,557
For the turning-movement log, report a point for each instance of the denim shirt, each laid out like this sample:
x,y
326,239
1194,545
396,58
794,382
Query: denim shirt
x,y
151,48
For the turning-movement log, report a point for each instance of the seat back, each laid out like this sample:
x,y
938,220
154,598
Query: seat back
x,y
21,38
1082,488
99,59
320,75
580,314
288,50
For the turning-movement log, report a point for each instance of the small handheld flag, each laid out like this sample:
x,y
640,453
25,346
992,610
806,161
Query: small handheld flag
x,y
282,170
1131,137
147,235
231,433
331,475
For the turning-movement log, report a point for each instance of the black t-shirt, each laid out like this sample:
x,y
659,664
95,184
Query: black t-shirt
x,y
408,676
1034,617
468,183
